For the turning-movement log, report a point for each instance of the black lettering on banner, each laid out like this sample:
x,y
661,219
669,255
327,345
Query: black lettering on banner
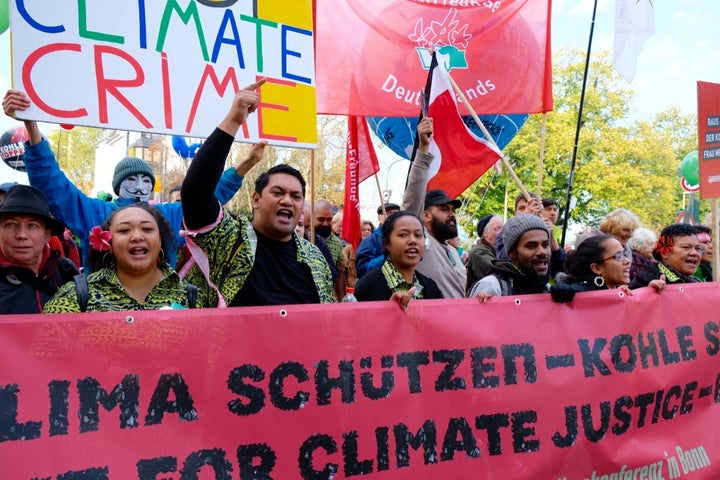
x,y
251,470
510,353
382,440
452,359
686,404
711,329
387,378
648,349
480,368
492,424
305,459
353,466
214,457
571,425
59,397
277,379
345,382
658,404
617,344
641,402
717,389
9,428
412,361
426,438
148,469
521,432
183,403
674,391
100,473
622,415
92,395
668,356
591,357
466,442
684,334
588,425
255,395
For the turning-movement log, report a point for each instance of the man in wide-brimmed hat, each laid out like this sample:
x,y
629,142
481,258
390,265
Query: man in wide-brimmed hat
x,y
30,272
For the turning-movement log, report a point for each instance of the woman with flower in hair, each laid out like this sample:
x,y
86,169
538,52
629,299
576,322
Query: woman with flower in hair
x,y
129,269
678,252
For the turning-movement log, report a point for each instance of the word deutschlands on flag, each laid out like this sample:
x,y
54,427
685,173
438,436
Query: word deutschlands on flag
x,y
634,23
461,157
360,163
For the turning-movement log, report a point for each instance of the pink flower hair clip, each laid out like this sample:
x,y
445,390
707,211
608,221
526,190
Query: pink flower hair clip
x,y
100,239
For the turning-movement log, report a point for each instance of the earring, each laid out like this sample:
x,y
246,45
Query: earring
x,y
599,281
161,255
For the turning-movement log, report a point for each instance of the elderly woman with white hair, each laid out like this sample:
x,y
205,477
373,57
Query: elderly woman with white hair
x,y
642,244
621,224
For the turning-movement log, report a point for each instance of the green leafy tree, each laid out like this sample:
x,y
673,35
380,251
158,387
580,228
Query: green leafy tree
x,y
620,162
75,153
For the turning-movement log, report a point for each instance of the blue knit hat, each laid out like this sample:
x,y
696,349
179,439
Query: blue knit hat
x,y
130,166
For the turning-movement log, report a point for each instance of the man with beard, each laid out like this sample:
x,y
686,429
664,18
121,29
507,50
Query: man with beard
x,y
528,242
441,261
323,227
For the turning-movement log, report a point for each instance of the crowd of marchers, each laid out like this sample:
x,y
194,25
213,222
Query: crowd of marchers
x,y
62,251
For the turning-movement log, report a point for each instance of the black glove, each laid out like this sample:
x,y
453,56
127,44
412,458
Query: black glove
x,y
562,293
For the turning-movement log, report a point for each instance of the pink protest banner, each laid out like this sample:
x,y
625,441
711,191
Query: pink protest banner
x,y
608,386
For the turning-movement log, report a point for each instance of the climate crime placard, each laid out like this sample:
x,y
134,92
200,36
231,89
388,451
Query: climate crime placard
x,y
169,67
709,139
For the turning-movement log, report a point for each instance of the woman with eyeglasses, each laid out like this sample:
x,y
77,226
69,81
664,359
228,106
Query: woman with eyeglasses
x,y
678,252
599,263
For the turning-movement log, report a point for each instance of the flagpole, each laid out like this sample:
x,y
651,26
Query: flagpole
x,y
541,166
382,200
504,160
571,177
312,197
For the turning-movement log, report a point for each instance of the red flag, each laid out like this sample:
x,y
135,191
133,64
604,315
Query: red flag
x,y
370,54
360,163
460,156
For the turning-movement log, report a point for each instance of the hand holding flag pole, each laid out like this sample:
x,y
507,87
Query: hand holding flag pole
x,y
489,138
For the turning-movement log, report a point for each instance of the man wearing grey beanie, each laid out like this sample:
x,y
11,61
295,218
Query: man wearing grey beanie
x,y
527,240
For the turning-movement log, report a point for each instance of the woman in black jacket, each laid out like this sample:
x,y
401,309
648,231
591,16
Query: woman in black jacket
x,y
396,279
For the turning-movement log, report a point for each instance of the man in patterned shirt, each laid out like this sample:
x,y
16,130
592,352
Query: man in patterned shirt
x,y
250,262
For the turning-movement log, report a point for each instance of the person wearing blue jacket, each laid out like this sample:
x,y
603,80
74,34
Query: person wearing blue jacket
x,y
133,181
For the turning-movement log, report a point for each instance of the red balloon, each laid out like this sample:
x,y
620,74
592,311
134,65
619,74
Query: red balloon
x,y
67,126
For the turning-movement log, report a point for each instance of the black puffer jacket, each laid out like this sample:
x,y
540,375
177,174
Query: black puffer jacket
x,y
21,291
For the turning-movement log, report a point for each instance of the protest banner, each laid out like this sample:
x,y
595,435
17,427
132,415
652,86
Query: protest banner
x,y
167,66
607,386
709,139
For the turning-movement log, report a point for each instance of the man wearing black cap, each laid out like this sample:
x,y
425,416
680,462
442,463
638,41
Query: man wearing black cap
x,y
133,180
441,261
30,273
371,252
528,271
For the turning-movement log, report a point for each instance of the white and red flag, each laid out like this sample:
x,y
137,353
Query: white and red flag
x,y
461,157
360,163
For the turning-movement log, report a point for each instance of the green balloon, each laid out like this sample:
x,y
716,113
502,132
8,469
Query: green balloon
x,y
689,168
4,15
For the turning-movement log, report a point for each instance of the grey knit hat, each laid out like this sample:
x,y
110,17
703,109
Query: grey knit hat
x,y
130,166
519,224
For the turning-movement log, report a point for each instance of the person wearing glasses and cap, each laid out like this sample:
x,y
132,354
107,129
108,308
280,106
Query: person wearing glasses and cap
x,y
30,271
